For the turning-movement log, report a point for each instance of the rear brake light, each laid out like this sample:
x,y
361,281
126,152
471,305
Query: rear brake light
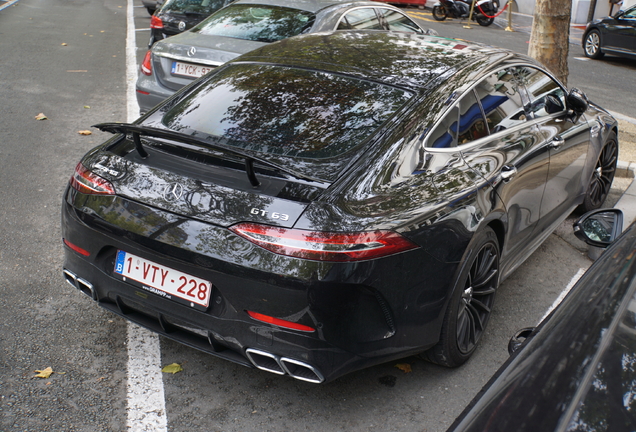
x,y
76,248
88,182
324,246
279,322
146,65
155,22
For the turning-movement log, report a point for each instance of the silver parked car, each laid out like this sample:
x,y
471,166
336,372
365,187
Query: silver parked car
x,y
246,25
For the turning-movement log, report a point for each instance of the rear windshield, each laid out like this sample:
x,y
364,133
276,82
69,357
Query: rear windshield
x,y
285,111
193,7
257,23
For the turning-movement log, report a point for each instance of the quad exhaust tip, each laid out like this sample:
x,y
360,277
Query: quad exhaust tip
x,y
284,366
81,284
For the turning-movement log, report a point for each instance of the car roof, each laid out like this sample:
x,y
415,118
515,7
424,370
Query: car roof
x,y
405,60
307,5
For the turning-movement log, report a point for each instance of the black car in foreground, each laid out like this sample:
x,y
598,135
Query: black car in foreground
x,y
333,201
612,35
577,370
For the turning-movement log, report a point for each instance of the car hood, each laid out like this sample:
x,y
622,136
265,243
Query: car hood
x,y
210,50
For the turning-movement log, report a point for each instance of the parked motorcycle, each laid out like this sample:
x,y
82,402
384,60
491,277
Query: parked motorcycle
x,y
484,10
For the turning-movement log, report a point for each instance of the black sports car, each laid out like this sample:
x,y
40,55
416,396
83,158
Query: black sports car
x,y
334,201
612,35
577,370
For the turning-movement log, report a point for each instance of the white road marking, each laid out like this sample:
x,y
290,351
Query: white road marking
x,y
6,5
146,398
565,292
582,58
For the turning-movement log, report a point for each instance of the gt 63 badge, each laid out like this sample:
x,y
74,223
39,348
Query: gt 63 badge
x,y
271,215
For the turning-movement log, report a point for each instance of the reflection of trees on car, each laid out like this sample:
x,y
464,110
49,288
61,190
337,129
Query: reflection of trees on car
x,y
258,23
285,111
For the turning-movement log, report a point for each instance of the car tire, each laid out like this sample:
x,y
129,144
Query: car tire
x,y
469,308
439,13
592,45
603,175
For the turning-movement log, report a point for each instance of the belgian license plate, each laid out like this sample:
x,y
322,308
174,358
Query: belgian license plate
x,y
189,70
162,280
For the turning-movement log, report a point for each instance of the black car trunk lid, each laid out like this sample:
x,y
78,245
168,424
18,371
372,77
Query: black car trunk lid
x,y
220,194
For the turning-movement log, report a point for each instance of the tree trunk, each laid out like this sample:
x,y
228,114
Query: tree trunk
x,y
549,41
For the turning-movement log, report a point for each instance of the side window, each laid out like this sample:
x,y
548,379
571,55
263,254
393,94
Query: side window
x,y
397,21
472,124
630,14
501,100
360,19
445,134
546,95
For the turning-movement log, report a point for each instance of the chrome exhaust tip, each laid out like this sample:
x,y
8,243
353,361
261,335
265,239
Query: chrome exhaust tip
x,y
81,284
70,277
87,288
284,366
265,361
301,371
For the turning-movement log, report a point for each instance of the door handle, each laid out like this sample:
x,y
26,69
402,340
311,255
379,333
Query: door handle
x,y
556,142
508,172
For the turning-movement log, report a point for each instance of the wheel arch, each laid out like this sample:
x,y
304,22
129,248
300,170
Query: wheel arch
x,y
500,231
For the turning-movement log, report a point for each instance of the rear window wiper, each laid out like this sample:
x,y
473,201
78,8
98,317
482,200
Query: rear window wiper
x,y
136,131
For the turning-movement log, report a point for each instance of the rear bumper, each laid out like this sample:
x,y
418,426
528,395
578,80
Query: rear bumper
x,y
150,93
356,325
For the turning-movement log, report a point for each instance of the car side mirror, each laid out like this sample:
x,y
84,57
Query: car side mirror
x,y
553,104
518,339
577,101
599,228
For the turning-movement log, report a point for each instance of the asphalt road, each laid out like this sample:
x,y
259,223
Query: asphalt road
x,y
67,60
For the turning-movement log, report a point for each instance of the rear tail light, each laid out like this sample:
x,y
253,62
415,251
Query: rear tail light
x,y
279,322
146,65
88,182
155,22
324,246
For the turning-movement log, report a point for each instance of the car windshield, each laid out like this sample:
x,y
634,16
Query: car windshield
x,y
256,23
285,111
197,7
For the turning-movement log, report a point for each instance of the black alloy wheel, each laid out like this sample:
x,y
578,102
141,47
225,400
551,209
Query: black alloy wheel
x,y
477,298
439,13
592,45
603,175
471,304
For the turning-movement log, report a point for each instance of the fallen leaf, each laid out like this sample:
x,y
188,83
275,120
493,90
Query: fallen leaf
x,y
64,44
172,368
404,367
87,107
85,132
41,116
44,373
